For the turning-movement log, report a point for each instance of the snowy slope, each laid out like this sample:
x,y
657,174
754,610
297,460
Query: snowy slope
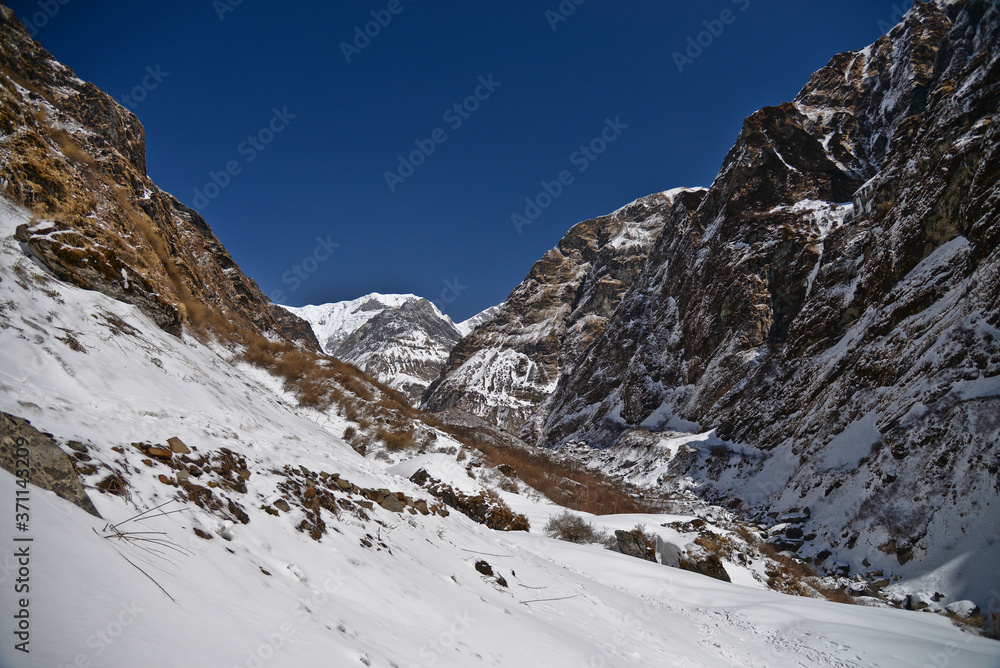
x,y
466,326
377,589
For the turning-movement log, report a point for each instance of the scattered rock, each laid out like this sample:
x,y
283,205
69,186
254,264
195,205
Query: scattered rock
x,y
177,445
48,466
77,446
963,609
635,544
282,505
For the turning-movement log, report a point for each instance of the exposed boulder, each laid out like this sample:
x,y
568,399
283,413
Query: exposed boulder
x,y
48,466
635,543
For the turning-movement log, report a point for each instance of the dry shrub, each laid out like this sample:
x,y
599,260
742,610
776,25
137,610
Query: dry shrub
x,y
567,484
574,529
115,484
395,440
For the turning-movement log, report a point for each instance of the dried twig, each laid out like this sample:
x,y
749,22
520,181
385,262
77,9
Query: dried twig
x,y
540,600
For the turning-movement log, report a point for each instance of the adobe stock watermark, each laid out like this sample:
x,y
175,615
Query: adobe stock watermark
x,y
622,640
452,290
363,35
150,82
714,28
286,631
249,149
562,12
300,272
581,158
454,116
897,15
943,657
101,639
445,640
47,10
223,7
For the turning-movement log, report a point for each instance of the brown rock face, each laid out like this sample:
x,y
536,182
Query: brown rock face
x,y
76,159
505,368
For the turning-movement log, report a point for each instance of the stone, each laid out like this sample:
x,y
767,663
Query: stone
x,y
963,609
669,554
392,503
633,544
282,505
711,566
160,453
49,467
177,445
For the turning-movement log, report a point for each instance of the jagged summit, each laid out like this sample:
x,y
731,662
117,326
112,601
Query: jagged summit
x,y
511,363
401,339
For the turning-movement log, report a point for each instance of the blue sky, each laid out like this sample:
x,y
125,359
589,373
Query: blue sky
x,y
299,115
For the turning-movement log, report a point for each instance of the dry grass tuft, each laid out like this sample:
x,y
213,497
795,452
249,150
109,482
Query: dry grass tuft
x,y
566,483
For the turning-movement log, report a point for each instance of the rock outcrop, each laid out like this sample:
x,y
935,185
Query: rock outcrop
x,y
508,365
33,456
76,159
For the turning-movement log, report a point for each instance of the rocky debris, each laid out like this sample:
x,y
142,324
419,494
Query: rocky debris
x,y
506,367
486,571
46,466
313,491
486,507
635,543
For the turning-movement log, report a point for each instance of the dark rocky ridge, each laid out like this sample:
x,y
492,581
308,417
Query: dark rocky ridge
x,y
76,159
848,356
548,321
785,328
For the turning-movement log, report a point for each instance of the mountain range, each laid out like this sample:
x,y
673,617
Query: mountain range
x,y
690,408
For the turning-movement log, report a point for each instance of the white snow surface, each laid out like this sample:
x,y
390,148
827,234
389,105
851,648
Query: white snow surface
x,y
334,602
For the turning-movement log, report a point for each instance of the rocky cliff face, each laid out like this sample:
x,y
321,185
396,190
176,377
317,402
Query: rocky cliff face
x,y
77,159
847,355
507,367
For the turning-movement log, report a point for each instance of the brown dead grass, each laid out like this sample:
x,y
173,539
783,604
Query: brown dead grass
x,y
567,484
